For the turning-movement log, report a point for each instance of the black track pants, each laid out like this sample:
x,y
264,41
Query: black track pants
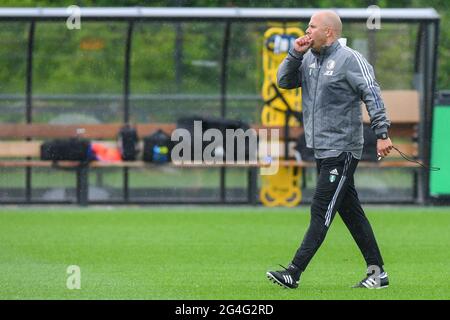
x,y
335,191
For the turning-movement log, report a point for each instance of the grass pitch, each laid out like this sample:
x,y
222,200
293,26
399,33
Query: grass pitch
x,y
213,253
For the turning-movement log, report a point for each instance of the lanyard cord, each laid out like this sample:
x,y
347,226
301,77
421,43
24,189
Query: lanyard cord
x,y
415,161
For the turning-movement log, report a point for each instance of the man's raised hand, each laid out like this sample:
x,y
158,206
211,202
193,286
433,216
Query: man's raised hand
x,y
302,44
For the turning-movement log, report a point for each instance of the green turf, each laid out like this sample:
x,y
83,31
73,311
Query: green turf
x,y
212,253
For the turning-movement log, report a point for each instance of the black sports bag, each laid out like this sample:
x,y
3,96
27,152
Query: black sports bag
x,y
73,149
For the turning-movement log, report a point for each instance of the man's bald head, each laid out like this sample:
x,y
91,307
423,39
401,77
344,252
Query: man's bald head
x,y
330,19
324,28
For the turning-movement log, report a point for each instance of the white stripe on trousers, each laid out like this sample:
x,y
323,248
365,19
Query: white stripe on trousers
x,y
338,190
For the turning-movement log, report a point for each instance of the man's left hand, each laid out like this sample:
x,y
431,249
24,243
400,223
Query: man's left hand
x,y
384,147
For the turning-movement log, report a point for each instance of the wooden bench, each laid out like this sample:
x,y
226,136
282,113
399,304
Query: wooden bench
x,y
20,143
20,148
403,110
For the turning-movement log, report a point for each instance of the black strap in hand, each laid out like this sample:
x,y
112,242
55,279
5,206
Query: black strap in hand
x,y
415,161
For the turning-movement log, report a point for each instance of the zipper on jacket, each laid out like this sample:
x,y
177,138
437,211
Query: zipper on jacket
x,y
319,65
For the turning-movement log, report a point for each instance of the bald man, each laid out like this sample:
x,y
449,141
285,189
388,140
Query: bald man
x,y
334,79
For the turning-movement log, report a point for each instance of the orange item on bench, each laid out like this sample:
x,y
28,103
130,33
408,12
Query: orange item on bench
x,y
104,153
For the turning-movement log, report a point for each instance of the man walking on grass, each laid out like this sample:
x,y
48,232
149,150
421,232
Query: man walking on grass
x,y
334,79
